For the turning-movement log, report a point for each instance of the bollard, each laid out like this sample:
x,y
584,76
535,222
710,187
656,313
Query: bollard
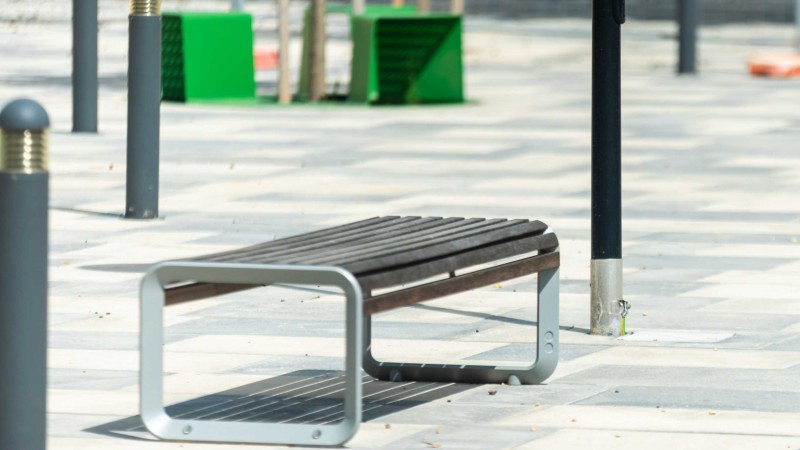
x,y
687,46
237,5
606,264
23,275
144,99
84,66
797,25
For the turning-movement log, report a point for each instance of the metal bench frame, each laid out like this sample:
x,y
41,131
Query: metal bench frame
x,y
178,281
153,297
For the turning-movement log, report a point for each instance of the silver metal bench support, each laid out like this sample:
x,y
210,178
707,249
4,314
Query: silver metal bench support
x,y
152,299
538,371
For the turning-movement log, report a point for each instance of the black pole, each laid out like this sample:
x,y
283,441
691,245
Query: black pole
x,y
84,66
23,275
606,277
144,98
687,46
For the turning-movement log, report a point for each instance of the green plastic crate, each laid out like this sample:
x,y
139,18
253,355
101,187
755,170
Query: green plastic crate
x,y
207,56
403,58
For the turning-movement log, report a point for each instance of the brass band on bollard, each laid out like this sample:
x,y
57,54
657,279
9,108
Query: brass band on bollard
x,y
145,7
24,151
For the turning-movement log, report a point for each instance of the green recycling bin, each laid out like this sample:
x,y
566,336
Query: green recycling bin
x,y
207,56
406,58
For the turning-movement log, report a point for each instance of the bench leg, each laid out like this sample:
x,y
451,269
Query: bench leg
x,y
151,380
537,372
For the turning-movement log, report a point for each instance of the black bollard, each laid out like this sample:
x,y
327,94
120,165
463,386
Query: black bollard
x,y
84,66
606,264
687,46
144,99
23,275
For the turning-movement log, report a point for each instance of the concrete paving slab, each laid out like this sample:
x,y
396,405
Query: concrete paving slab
x,y
710,177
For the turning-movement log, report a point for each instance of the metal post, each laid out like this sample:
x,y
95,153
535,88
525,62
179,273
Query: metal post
x,y
457,6
237,5
687,46
797,25
84,66
144,98
284,86
23,275
606,264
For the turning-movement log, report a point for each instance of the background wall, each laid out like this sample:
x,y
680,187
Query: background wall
x,y
713,11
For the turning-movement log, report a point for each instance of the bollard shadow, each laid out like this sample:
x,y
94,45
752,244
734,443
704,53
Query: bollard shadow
x,y
305,396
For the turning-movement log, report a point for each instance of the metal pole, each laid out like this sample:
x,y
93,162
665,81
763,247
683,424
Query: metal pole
x,y
144,98
606,264
687,47
797,24
237,5
84,66
284,86
457,6
23,275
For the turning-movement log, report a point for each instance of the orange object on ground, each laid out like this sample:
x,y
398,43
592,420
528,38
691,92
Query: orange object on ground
x,y
265,59
775,65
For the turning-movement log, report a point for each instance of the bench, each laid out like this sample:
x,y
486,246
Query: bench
x,y
409,259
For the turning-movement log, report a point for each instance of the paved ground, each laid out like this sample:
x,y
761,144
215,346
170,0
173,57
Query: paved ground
x,y
711,228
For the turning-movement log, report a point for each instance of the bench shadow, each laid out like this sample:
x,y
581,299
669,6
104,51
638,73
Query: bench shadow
x,y
305,396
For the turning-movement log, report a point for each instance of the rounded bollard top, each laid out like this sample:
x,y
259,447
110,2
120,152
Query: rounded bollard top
x,y
24,114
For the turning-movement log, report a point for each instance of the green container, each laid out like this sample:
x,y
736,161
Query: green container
x,y
207,56
404,57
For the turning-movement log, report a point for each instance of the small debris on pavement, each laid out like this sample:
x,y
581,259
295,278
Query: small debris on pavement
x,y
493,392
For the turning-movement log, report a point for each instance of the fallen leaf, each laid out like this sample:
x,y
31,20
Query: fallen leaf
x,y
387,426
438,430
536,405
496,286
533,428
712,413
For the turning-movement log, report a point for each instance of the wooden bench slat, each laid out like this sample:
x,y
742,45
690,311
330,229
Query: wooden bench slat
x,y
300,254
451,263
437,248
421,240
382,243
197,291
241,255
462,283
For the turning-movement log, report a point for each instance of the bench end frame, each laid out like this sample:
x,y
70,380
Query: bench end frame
x,y
152,302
